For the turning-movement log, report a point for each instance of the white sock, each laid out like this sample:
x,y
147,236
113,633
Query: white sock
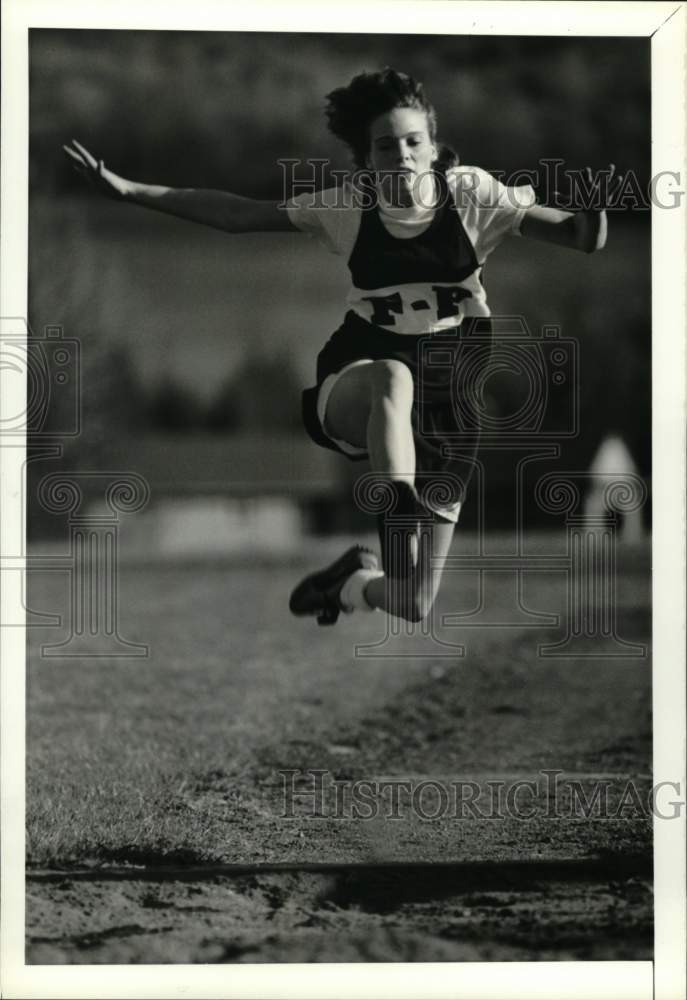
x,y
353,590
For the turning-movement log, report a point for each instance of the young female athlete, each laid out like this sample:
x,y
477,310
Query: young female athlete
x,y
415,228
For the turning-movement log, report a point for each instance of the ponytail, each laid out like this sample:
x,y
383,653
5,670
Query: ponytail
x,y
446,158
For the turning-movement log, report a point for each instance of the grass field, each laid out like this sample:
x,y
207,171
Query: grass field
x,y
145,776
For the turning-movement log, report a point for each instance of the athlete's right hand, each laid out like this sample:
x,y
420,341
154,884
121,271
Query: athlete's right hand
x,y
96,173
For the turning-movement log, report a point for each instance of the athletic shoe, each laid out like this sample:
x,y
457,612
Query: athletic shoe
x,y
320,593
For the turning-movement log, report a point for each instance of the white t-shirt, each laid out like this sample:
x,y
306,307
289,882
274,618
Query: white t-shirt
x,y
488,210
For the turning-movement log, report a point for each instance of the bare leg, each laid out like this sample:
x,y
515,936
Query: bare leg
x,y
412,597
389,432
370,405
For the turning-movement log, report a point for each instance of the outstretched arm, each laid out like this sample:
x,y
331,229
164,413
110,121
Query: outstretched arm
x,y
219,209
585,230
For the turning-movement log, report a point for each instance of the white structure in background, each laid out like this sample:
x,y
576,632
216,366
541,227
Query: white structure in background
x,y
214,526
215,495
613,458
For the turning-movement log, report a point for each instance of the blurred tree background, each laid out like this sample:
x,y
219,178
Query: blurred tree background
x,y
216,110
185,328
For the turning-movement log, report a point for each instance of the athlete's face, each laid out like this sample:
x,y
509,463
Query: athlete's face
x,y
401,150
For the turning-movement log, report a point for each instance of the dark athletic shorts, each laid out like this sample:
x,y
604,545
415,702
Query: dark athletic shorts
x,y
445,368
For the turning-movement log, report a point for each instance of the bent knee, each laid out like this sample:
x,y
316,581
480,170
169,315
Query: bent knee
x,y
392,380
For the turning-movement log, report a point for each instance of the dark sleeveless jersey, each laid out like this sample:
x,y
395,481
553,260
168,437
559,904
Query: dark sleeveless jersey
x,y
442,253
418,283
426,282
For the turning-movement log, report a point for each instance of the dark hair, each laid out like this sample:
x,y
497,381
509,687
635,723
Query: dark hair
x,y
351,110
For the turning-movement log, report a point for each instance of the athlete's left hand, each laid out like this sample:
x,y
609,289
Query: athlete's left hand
x,y
582,224
591,222
604,188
